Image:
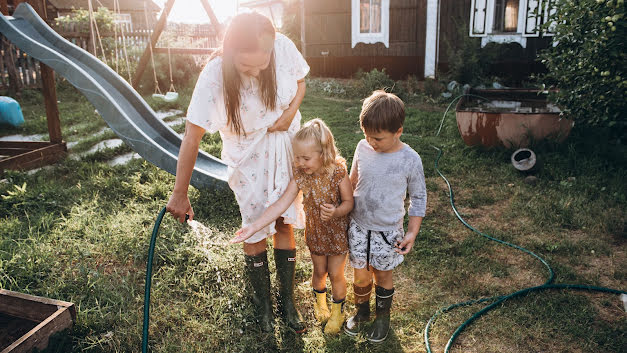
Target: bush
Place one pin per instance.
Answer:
(588, 62)
(184, 69)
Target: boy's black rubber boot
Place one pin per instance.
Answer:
(353, 324)
(259, 277)
(285, 267)
(381, 326)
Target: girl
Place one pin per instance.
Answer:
(320, 173)
(250, 92)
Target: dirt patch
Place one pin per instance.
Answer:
(12, 328)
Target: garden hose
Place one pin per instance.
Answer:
(496, 300)
(151, 251)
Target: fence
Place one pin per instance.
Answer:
(28, 74)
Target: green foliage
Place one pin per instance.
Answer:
(78, 20)
(366, 82)
(464, 57)
(183, 68)
(589, 62)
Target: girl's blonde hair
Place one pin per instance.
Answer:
(318, 133)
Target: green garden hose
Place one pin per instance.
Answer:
(496, 300)
(151, 252)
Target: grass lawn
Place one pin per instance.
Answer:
(79, 232)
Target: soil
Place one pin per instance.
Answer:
(12, 328)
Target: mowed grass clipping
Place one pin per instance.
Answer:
(80, 231)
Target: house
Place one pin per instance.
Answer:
(131, 12)
(412, 37)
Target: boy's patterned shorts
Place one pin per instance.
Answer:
(380, 254)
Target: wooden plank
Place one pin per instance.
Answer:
(36, 158)
(212, 17)
(33, 145)
(185, 51)
(11, 300)
(50, 101)
(39, 336)
(13, 151)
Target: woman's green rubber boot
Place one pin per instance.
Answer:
(285, 267)
(259, 277)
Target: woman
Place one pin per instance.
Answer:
(250, 92)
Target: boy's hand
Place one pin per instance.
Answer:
(405, 245)
(242, 234)
(326, 211)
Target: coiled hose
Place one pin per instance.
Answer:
(496, 300)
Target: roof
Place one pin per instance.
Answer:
(125, 5)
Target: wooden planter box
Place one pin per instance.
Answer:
(510, 118)
(27, 321)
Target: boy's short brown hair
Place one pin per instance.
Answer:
(382, 111)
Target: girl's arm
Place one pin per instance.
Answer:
(328, 211)
(270, 214)
(285, 120)
(179, 204)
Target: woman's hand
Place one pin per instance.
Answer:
(327, 211)
(242, 234)
(179, 206)
(284, 121)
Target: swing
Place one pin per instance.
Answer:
(171, 95)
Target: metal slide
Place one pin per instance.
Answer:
(124, 110)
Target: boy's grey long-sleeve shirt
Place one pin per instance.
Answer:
(383, 182)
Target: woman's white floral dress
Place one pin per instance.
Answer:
(260, 163)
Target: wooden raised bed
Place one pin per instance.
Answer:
(28, 321)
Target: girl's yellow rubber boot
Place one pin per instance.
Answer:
(337, 318)
(321, 310)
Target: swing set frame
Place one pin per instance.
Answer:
(151, 48)
(26, 154)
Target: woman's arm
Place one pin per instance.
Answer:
(328, 211)
(285, 120)
(179, 204)
(270, 214)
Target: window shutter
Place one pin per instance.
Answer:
(478, 18)
(549, 10)
(532, 17)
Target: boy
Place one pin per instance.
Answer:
(384, 171)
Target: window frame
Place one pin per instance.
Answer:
(370, 38)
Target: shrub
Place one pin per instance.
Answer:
(588, 62)
(366, 82)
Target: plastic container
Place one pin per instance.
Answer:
(10, 112)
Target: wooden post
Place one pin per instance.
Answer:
(49, 89)
(50, 101)
(213, 18)
(143, 61)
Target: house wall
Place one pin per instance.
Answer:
(328, 29)
(515, 62)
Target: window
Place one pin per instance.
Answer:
(505, 21)
(370, 21)
(124, 20)
(370, 16)
(506, 16)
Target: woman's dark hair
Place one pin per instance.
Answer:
(243, 35)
